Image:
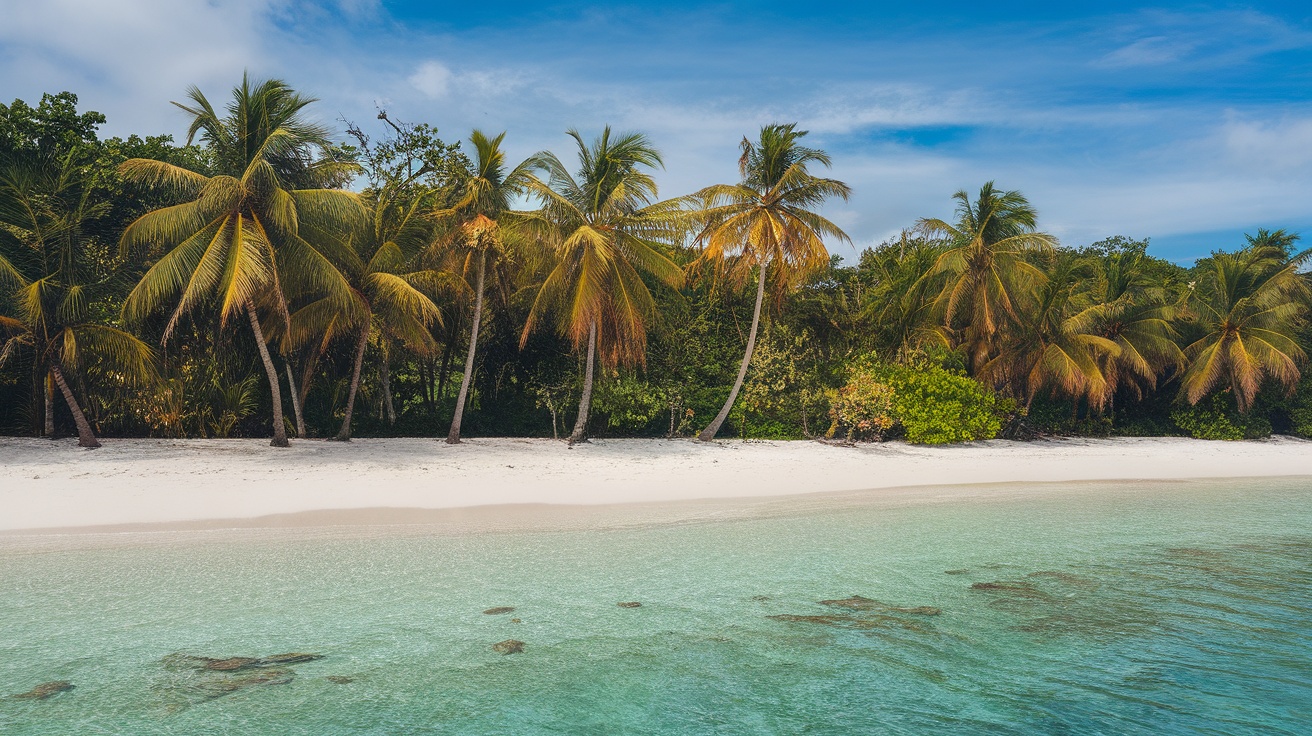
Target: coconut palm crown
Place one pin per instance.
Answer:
(1250, 304)
(985, 270)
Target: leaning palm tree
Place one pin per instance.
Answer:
(986, 270)
(606, 230)
(1250, 303)
(482, 227)
(240, 238)
(766, 224)
(45, 204)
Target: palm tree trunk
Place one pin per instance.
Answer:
(709, 433)
(279, 427)
(85, 437)
(344, 434)
(453, 437)
(48, 390)
(580, 433)
(386, 370)
(296, 400)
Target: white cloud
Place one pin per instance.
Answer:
(1280, 146)
(1150, 51)
(431, 78)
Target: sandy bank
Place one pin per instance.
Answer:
(47, 484)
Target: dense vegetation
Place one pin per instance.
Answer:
(240, 285)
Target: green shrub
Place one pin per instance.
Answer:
(1216, 418)
(1300, 408)
(932, 405)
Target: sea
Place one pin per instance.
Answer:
(1107, 608)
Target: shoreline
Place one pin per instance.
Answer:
(140, 485)
(194, 484)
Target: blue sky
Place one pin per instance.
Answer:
(1188, 123)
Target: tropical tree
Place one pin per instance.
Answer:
(606, 230)
(239, 240)
(1250, 304)
(52, 282)
(390, 290)
(767, 224)
(1135, 313)
(900, 301)
(1053, 343)
(480, 237)
(986, 269)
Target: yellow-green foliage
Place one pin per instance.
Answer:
(862, 409)
(931, 405)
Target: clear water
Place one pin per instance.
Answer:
(1156, 609)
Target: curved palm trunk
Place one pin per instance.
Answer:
(85, 437)
(453, 437)
(296, 400)
(709, 433)
(279, 427)
(344, 434)
(580, 433)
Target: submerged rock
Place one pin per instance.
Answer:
(339, 680)
(509, 646)
(230, 664)
(961, 571)
(235, 664)
(515, 621)
(759, 598)
(861, 603)
(1022, 590)
(289, 658)
(824, 620)
(499, 610)
(46, 690)
(229, 685)
(867, 623)
(629, 604)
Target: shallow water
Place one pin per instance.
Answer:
(1149, 609)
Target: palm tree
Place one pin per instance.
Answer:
(1250, 303)
(241, 238)
(986, 269)
(389, 293)
(899, 304)
(1136, 316)
(45, 205)
(606, 230)
(1052, 343)
(766, 222)
(483, 225)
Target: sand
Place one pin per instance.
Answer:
(245, 483)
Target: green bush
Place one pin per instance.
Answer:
(932, 405)
(1216, 418)
(1300, 408)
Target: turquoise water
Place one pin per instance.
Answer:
(1150, 609)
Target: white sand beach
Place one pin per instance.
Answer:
(56, 485)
